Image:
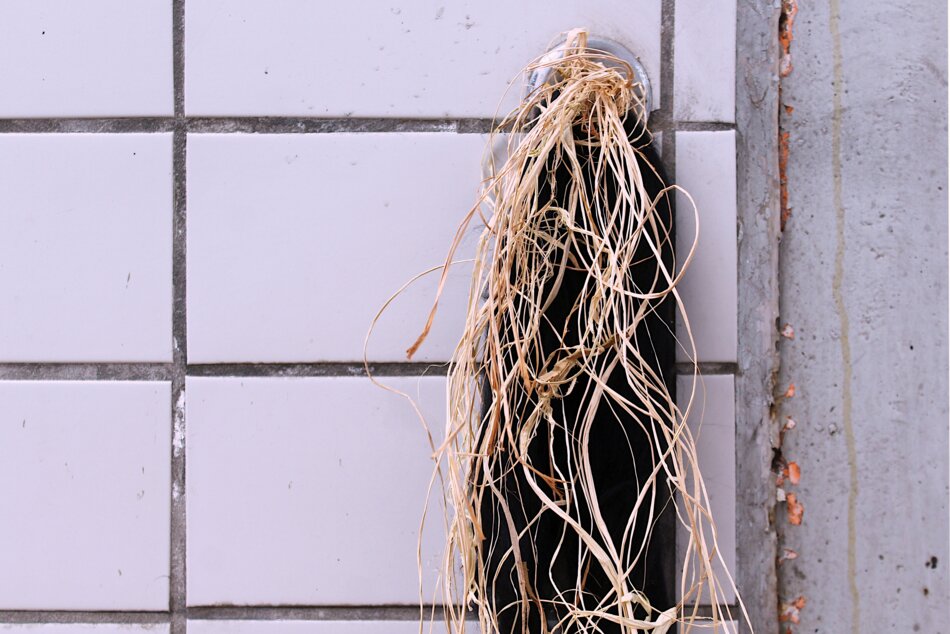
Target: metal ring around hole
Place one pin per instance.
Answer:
(499, 150)
(541, 76)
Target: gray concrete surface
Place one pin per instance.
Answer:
(863, 275)
(757, 179)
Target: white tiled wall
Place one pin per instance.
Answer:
(705, 77)
(299, 490)
(86, 247)
(712, 423)
(295, 241)
(99, 58)
(418, 59)
(226, 266)
(706, 168)
(84, 475)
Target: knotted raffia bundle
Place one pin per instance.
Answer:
(563, 443)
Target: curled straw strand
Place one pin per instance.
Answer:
(500, 361)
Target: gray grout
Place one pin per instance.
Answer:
(328, 369)
(341, 613)
(245, 613)
(660, 121)
(86, 371)
(316, 613)
(707, 368)
(304, 125)
(173, 371)
(703, 126)
(89, 126)
(81, 616)
(667, 54)
(666, 522)
(177, 580)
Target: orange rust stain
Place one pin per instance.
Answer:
(785, 36)
(783, 177)
(794, 509)
(794, 473)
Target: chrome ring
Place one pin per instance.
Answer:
(540, 76)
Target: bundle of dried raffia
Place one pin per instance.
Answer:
(564, 448)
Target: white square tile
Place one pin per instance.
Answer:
(85, 628)
(86, 238)
(712, 422)
(404, 59)
(705, 51)
(85, 486)
(96, 58)
(308, 491)
(296, 241)
(706, 168)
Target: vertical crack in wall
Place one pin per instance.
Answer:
(785, 24)
(836, 116)
(787, 472)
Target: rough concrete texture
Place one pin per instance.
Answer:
(863, 271)
(758, 227)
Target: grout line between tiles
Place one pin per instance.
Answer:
(660, 121)
(177, 586)
(243, 613)
(81, 616)
(666, 523)
(707, 368)
(176, 372)
(86, 371)
(314, 613)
